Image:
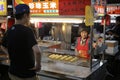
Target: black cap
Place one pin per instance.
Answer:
(21, 8)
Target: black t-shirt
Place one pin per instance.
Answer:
(19, 41)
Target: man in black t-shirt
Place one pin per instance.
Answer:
(20, 43)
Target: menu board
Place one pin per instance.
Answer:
(73, 7)
(3, 7)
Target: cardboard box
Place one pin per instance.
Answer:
(111, 50)
(111, 43)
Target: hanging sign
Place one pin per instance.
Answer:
(89, 18)
(107, 20)
(3, 7)
(111, 9)
(41, 7)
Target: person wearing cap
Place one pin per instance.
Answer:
(20, 44)
(82, 46)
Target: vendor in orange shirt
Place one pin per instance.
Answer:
(82, 46)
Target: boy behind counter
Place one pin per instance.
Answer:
(82, 46)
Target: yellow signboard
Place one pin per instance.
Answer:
(89, 18)
(3, 7)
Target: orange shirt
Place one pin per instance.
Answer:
(83, 49)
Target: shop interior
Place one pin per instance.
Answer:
(59, 37)
(61, 30)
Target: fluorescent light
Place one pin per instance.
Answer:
(8, 16)
(10, 6)
(57, 20)
(99, 21)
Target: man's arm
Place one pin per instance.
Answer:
(37, 54)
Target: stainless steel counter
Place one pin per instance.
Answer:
(75, 72)
(66, 69)
(58, 70)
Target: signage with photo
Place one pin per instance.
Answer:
(3, 7)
